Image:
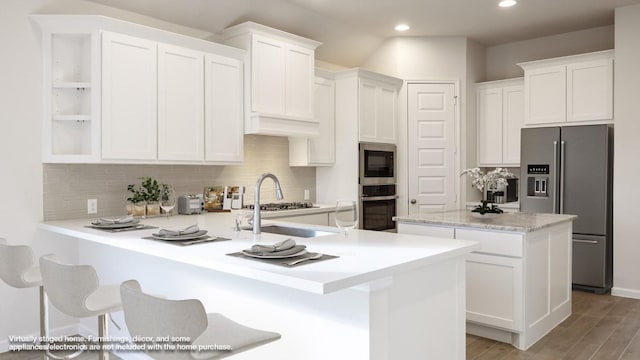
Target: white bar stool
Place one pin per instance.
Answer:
(75, 290)
(148, 316)
(18, 268)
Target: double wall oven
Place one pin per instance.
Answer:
(377, 186)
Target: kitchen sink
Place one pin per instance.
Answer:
(293, 231)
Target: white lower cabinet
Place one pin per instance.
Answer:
(518, 285)
(494, 290)
(310, 219)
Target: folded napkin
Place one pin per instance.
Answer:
(122, 220)
(282, 248)
(186, 231)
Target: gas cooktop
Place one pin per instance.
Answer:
(283, 206)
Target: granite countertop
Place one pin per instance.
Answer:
(517, 221)
(509, 205)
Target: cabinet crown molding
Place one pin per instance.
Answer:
(359, 72)
(255, 28)
(504, 82)
(564, 60)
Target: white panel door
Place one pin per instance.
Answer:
(129, 98)
(180, 103)
(590, 90)
(489, 107)
(431, 151)
(224, 115)
(267, 75)
(545, 95)
(512, 123)
(299, 78)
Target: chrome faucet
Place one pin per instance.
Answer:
(256, 204)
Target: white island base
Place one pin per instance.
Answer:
(519, 281)
(387, 296)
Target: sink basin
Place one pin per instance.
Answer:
(294, 231)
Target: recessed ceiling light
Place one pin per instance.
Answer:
(507, 3)
(402, 27)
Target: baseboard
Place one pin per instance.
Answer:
(628, 293)
(55, 332)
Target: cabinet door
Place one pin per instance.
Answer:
(490, 126)
(494, 291)
(267, 75)
(224, 115)
(386, 118)
(512, 122)
(545, 95)
(129, 97)
(322, 149)
(590, 90)
(180, 103)
(299, 76)
(367, 92)
(377, 107)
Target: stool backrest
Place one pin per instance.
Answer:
(15, 260)
(68, 286)
(150, 316)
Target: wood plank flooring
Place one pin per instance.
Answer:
(601, 327)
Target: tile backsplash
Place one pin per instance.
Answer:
(67, 187)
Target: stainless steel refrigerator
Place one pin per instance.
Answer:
(568, 170)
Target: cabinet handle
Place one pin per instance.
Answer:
(555, 176)
(562, 180)
(413, 201)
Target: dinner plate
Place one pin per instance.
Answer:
(301, 252)
(116, 225)
(180, 237)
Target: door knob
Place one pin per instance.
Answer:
(413, 201)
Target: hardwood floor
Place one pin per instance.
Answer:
(601, 327)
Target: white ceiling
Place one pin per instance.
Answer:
(351, 30)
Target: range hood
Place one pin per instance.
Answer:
(280, 125)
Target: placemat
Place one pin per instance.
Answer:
(283, 262)
(143, 227)
(188, 242)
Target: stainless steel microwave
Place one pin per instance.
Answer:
(377, 164)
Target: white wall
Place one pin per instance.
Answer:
(502, 59)
(20, 145)
(432, 58)
(626, 247)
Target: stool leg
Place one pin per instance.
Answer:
(103, 330)
(43, 317)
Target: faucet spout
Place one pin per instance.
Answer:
(256, 204)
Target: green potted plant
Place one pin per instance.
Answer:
(136, 203)
(492, 179)
(151, 191)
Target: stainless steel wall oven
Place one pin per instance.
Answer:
(377, 186)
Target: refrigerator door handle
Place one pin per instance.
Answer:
(555, 177)
(585, 241)
(562, 177)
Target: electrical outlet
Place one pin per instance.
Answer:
(306, 194)
(92, 206)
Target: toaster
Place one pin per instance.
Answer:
(190, 204)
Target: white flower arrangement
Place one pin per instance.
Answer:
(491, 180)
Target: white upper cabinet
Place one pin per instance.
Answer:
(378, 108)
(129, 97)
(319, 150)
(224, 109)
(281, 80)
(180, 103)
(569, 89)
(118, 92)
(500, 114)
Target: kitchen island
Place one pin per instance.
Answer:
(386, 296)
(519, 281)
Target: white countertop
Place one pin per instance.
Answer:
(364, 256)
(517, 221)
